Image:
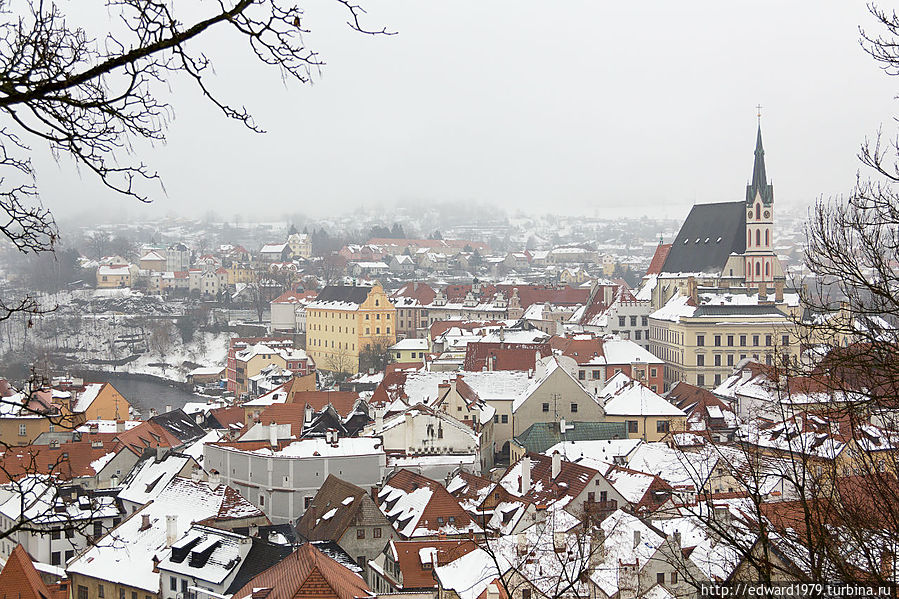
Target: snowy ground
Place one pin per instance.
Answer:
(88, 327)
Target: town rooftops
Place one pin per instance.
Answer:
(625, 397)
(306, 573)
(337, 505)
(20, 580)
(341, 297)
(420, 507)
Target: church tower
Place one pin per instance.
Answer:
(760, 259)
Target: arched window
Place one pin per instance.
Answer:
(758, 237)
(767, 238)
(758, 211)
(758, 268)
(766, 268)
(749, 238)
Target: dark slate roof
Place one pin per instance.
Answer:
(736, 310)
(262, 556)
(181, 425)
(711, 233)
(263, 532)
(540, 436)
(343, 293)
(331, 496)
(759, 183)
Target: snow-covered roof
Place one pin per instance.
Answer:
(87, 397)
(125, 554)
(410, 344)
(635, 399)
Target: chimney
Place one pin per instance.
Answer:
(636, 539)
(307, 414)
(557, 464)
(525, 475)
(691, 289)
(273, 434)
(168, 408)
(214, 478)
(778, 291)
(145, 521)
(119, 426)
(522, 544)
(763, 292)
(171, 530)
(254, 530)
(676, 536)
(558, 541)
(160, 453)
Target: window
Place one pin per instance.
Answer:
(70, 533)
(730, 341)
(785, 340)
(377, 330)
(100, 592)
(621, 321)
(717, 340)
(591, 496)
(730, 359)
(700, 340)
(717, 359)
(376, 533)
(496, 419)
(742, 340)
(505, 419)
(573, 407)
(98, 529)
(597, 374)
(660, 578)
(82, 592)
(262, 500)
(55, 558)
(717, 379)
(70, 554)
(637, 335)
(121, 593)
(653, 372)
(440, 520)
(22, 430)
(307, 501)
(700, 380)
(173, 583)
(545, 407)
(54, 534)
(755, 340)
(768, 340)
(633, 321)
(700, 359)
(632, 426)
(360, 533)
(525, 593)
(133, 594)
(662, 426)
(581, 375)
(603, 495)
(645, 321)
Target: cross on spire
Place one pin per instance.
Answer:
(758, 108)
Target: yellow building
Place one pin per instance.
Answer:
(408, 351)
(343, 320)
(240, 273)
(702, 336)
(99, 401)
(646, 414)
(110, 276)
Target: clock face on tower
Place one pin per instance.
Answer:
(767, 214)
(749, 214)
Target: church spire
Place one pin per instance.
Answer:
(759, 184)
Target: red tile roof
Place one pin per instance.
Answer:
(420, 291)
(71, 460)
(20, 580)
(658, 259)
(307, 573)
(439, 327)
(343, 401)
(415, 574)
(504, 356)
(440, 505)
(147, 434)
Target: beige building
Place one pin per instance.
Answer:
(343, 320)
(110, 276)
(299, 245)
(701, 336)
(646, 414)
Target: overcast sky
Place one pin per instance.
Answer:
(578, 107)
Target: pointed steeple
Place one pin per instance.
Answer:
(759, 182)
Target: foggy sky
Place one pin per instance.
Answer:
(576, 107)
